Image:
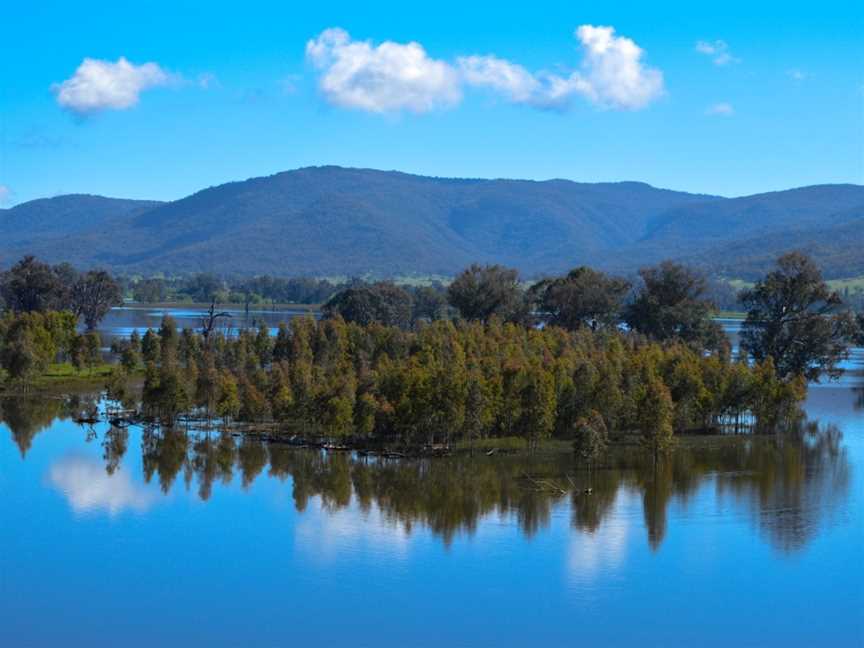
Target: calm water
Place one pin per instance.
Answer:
(113, 537)
(120, 322)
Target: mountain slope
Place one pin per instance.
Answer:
(332, 220)
(63, 215)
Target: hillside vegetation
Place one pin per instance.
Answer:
(326, 221)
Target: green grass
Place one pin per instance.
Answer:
(65, 376)
(514, 444)
(732, 314)
(854, 284)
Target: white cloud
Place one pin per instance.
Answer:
(393, 76)
(88, 487)
(381, 78)
(5, 193)
(612, 75)
(510, 79)
(796, 74)
(718, 51)
(722, 109)
(103, 85)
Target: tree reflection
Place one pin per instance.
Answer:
(114, 446)
(787, 484)
(26, 417)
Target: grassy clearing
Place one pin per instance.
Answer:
(64, 376)
(514, 444)
(853, 284)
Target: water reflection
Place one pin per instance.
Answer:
(88, 487)
(786, 484)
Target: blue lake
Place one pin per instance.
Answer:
(142, 538)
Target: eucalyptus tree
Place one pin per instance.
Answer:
(383, 302)
(481, 292)
(672, 305)
(92, 295)
(797, 321)
(582, 298)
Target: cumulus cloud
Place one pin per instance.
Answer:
(5, 193)
(381, 78)
(718, 51)
(104, 85)
(614, 74)
(611, 75)
(722, 109)
(393, 76)
(510, 79)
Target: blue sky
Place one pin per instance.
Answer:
(730, 98)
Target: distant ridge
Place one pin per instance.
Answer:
(343, 221)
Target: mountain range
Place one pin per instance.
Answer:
(326, 221)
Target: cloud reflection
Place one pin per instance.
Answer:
(604, 549)
(88, 487)
(327, 533)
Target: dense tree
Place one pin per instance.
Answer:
(671, 305)
(30, 341)
(31, 285)
(584, 297)
(654, 415)
(591, 437)
(430, 303)
(93, 294)
(481, 292)
(795, 320)
(85, 350)
(384, 303)
(149, 291)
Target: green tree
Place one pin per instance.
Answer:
(31, 285)
(796, 320)
(672, 305)
(92, 295)
(591, 437)
(228, 404)
(537, 407)
(481, 292)
(584, 297)
(384, 302)
(655, 414)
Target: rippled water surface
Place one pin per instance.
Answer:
(130, 537)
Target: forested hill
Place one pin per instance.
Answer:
(338, 221)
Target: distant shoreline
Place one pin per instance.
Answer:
(258, 307)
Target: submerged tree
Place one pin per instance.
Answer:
(591, 437)
(795, 319)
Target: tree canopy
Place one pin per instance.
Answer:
(481, 292)
(794, 319)
(583, 297)
(672, 305)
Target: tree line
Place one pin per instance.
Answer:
(206, 287)
(580, 356)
